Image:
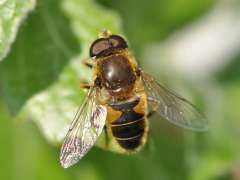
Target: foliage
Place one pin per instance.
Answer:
(39, 82)
(12, 13)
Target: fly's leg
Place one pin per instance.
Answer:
(85, 86)
(87, 63)
(150, 114)
(106, 136)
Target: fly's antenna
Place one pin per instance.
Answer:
(104, 34)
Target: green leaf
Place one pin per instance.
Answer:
(12, 13)
(54, 108)
(44, 45)
(153, 21)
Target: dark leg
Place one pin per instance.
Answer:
(150, 114)
(87, 63)
(106, 136)
(85, 86)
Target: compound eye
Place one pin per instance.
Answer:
(98, 46)
(112, 42)
(117, 42)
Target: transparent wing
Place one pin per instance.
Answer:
(87, 125)
(172, 107)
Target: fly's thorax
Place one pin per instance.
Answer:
(117, 74)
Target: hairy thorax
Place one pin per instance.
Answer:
(117, 75)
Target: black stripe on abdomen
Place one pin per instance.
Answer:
(128, 129)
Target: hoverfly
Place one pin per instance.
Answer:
(119, 102)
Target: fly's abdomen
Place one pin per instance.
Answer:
(129, 130)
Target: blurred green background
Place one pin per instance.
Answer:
(192, 46)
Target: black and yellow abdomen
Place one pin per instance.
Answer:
(129, 129)
(129, 126)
